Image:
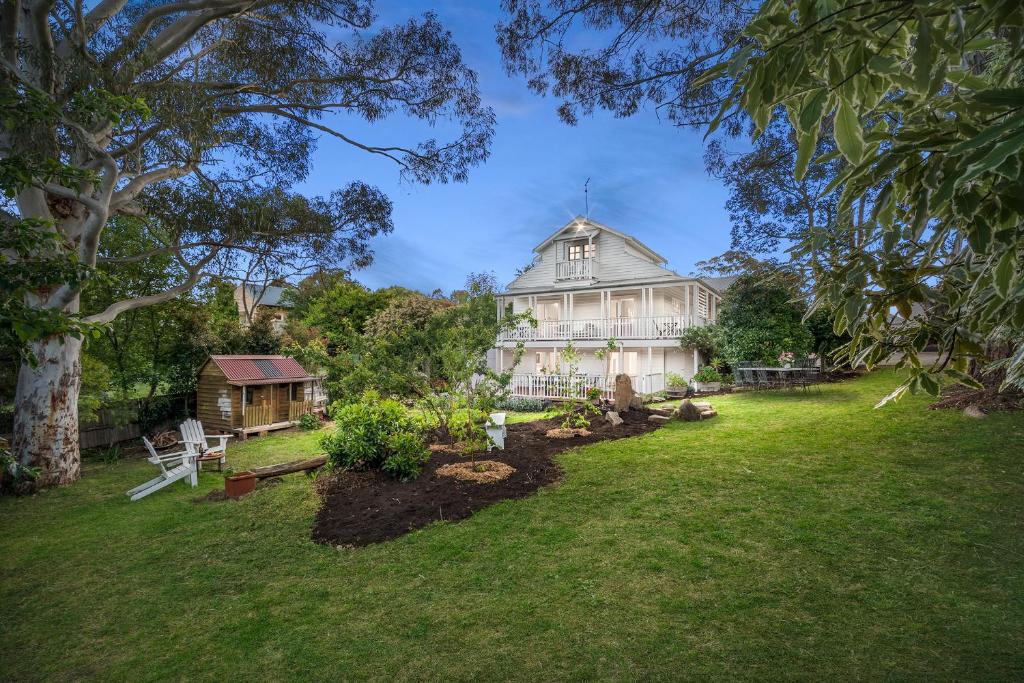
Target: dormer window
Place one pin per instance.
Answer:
(580, 250)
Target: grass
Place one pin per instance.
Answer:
(793, 537)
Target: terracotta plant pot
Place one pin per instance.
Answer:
(238, 485)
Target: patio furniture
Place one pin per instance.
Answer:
(173, 467)
(496, 431)
(192, 432)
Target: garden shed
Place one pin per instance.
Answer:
(253, 393)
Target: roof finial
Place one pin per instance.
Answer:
(586, 200)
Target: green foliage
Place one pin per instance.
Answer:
(97, 381)
(521, 404)
(310, 421)
(31, 258)
(707, 374)
(575, 412)
(760, 319)
(375, 433)
(15, 477)
(925, 104)
(675, 381)
(406, 456)
(707, 339)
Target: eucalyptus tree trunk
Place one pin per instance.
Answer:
(46, 419)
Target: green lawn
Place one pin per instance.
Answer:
(795, 537)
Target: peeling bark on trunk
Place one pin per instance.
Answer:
(46, 411)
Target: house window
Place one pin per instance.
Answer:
(580, 250)
(247, 395)
(294, 395)
(628, 364)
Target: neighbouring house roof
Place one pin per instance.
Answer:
(720, 284)
(246, 370)
(266, 295)
(585, 225)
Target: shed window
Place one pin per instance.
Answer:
(247, 395)
(294, 394)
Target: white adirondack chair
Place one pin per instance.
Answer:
(173, 466)
(496, 430)
(192, 432)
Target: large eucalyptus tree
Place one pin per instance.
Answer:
(197, 115)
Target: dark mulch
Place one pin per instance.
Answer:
(360, 508)
(988, 399)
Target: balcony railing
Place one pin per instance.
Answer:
(576, 386)
(578, 269)
(655, 327)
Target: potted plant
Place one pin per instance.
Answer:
(238, 484)
(707, 379)
(676, 385)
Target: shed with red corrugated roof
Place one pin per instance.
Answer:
(255, 393)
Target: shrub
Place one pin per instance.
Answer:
(675, 381)
(406, 456)
(375, 433)
(707, 374)
(310, 421)
(522, 404)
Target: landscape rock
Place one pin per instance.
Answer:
(687, 411)
(661, 411)
(707, 414)
(613, 417)
(658, 419)
(623, 393)
(974, 411)
(636, 402)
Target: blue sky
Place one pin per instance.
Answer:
(646, 177)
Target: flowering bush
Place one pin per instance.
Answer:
(786, 357)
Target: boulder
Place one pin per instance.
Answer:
(637, 402)
(974, 411)
(707, 414)
(661, 411)
(613, 417)
(687, 411)
(658, 419)
(623, 393)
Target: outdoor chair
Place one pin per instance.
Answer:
(192, 432)
(764, 381)
(173, 467)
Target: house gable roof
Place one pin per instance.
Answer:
(584, 227)
(250, 369)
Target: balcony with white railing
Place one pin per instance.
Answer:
(577, 269)
(596, 329)
(556, 387)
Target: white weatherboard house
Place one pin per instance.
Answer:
(590, 283)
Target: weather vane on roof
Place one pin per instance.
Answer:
(586, 200)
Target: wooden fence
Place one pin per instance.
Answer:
(122, 421)
(257, 416)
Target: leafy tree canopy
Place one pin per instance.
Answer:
(761, 319)
(924, 104)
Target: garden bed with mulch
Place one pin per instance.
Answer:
(360, 508)
(987, 399)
